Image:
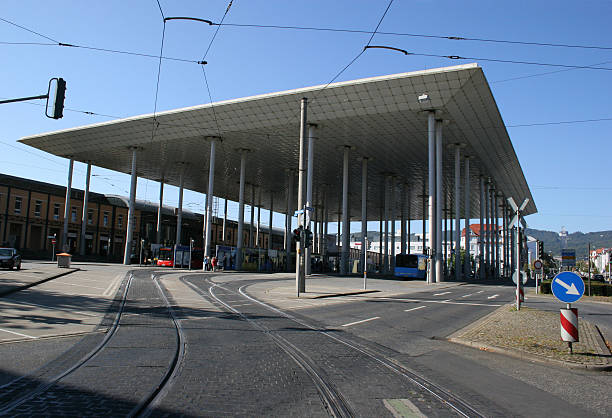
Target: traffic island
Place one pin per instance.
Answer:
(534, 335)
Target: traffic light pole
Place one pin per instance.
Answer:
(58, 99)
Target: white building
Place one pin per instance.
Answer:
(601, 260)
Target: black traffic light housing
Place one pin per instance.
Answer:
(540, 250)
(307, 238)
(296, 236)
(57, 101)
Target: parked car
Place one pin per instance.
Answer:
(598, 277)
(10, 258)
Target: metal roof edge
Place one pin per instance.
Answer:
(260, 96)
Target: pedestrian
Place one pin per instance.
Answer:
(213, 262)
(206, 263)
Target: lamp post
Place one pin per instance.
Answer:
(141, 248)
(190, 251)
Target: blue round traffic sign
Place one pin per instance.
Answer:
(568, 287)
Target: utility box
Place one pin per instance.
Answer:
(63, 260)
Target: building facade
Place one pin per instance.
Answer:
(32, 219)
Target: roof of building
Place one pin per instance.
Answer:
(379, 118)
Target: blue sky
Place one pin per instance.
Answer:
(567, 165)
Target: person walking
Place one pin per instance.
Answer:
(213, 262)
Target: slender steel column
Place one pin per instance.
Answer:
(424, 220)
(344, 259)
(257, 243)
(288, 219)
(431, 137)
(381, 234)
(408, 205)
(224, 236)
(131, 212)
(386, 264)
(179, 218)
(402, 218)
(497, 252)
(252, 220)
(392, 212)
(211, 183)
(468, 262)
(492, 230)
(438, 202)
(66, 206)
(240, 238)
(364, 210)
(84, 218)
(458, 266)
(300, 278)
(159, 210)
(487, 234)
(270, 221)
(309, 179)
(481, 238)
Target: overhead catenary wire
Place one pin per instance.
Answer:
(459, 57)
(417, 35)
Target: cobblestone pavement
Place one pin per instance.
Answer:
(235, 368)
(535, 334)
(116, 379)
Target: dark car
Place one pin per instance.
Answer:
(10, 258)
(598, 277)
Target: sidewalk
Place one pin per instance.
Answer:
(322, 289)
(31, 274)
(534, 335)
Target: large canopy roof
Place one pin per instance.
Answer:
(379, 118)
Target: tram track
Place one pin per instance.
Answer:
(334, 401)
(14, 390)
(334, 398)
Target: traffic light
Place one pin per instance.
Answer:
(307, 238)
(57, 103)
(540, 250)
(297, 234)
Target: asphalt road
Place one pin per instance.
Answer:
(205, 345)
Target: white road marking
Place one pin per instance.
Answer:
(465, 296)
(468, 303)
(480, 291)
(414, 309)
(80, 285)
(440, 294)
(360, 322)
(492, 297)
(113, 285)
(17, 333)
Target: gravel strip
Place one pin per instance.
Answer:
(535, 334)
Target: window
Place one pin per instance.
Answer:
(120, 221)
(37, 208)
(17, 205)
(90, 216)
(73, 214)
(105, 219)
(56, 211)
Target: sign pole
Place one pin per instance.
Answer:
(365, 264)
(518, 268)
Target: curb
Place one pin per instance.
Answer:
(455, 338)
(27, 286)
(527, 356)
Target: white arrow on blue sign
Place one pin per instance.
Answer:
(568, 287)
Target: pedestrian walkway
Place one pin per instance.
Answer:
(44, 301)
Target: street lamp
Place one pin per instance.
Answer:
(141, 248)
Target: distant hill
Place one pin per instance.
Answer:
(577, 240)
